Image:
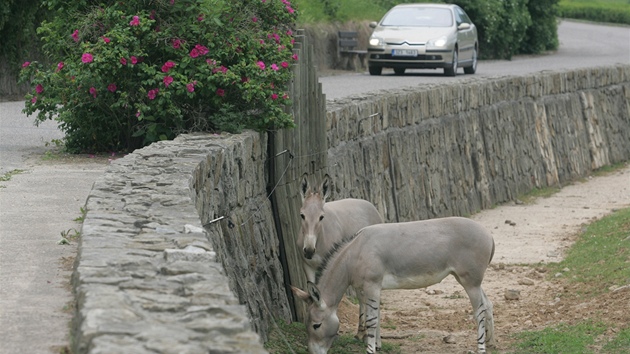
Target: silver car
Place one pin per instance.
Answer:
(423, 36)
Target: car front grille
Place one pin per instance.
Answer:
(418, 57)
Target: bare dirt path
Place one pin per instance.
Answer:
(526, 236)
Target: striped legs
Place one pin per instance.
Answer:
(361, 330)
(484, 318)
(372, 323)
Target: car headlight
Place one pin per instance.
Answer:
(375, 41)
(437, 43)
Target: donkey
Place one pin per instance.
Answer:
(324, 224)
(409, 255)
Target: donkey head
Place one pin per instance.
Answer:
(312, 214)
(322, 323)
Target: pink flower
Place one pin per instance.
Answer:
(167, 80)
(194, 53)
(59, 66)
(138, 114)
(254, 19)
(172, 2)
(177, 43)
(123, 61)
(152, 94)
(26, 64)
(152, 15)
(274, 67)
(191, 86)
(135, 21)
(106, 40)
(261, 65)
(39, 88)
(34, 100)
(211, 62)
(274, 96)
(202, 50)
(294, 56)
(200, 18)
(75, 35)
(289, 33)
(111, 87)
(93, 91)
(134, 60)
(284, 64)
(87, 58)
(167, 66)
(220, 92)
(290, 9)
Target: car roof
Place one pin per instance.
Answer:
(423, 4)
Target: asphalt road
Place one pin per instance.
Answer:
(581, 45)
(43, 199)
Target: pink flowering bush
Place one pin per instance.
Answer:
(131, 73)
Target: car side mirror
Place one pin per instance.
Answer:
(372, 24)
(463, 26)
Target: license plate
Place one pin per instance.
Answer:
(404, 52)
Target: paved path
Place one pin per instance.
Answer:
(36, 206)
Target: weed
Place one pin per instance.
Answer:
(7, 176)
(291, 338)
(68, 235)
(81, 218)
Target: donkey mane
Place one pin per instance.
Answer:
(331, 253)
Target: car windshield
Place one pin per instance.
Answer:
(418, 17)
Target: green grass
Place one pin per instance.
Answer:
(612, 11)
(601, 254)
(560, 339)
(597, 262)
(291, 338)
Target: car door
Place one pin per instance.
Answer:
(465, 37)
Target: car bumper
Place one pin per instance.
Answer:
(426, 60)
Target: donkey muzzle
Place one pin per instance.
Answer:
(309, 253)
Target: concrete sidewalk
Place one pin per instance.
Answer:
(38, 203)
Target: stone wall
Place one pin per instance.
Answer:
(178, 250)
(455, 149)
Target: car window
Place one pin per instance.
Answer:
(461, 16)
(418, 17)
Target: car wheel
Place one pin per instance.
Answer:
(375, 70)
(452, 71)
(473, 68)
(399, 71)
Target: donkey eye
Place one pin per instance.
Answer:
(302, 216)
(321, 218)
(317, 325)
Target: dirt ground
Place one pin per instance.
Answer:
(527, 236)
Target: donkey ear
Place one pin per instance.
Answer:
(301, 294)
(313, 292)
(304, 186)
(325, 187)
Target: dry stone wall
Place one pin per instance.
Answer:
(179, 252)
(455, 149)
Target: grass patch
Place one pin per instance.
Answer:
(291, 338)
(596, 264)
(600, 255)
(536, 193)
(620, 344)
(560, 339)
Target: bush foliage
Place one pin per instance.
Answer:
(611, 11)
(130, 73)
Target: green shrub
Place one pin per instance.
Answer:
(611, 11)
(542, 34)
(131, 73)
(501, 25)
